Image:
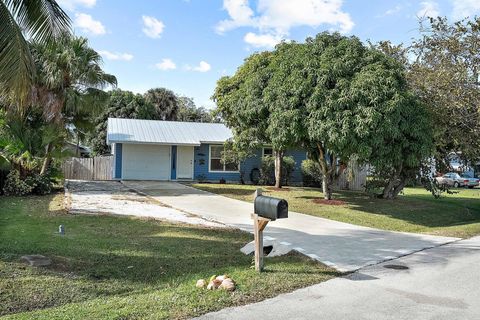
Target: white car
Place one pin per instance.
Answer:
(451, 179)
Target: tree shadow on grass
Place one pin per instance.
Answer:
(421, 210)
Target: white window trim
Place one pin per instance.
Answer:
(267, 147)
(210, 158)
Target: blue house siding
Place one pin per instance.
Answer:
(201, 163)
(200, 170)
(118, 161)
(299, 156)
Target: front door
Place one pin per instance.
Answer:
(184, 162)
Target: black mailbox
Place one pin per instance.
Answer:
(271, 208)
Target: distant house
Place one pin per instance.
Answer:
(170, 150)
(77, 150)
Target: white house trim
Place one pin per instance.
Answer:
(210, 158)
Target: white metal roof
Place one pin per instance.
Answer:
(165, 132)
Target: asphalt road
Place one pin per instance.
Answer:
(440, 283)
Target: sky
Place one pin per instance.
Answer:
(187, 45)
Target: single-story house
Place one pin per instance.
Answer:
(172, 150)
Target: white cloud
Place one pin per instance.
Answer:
(203, 66)
(72, 4)
(240, 15)
(87, 24)
(274, 18)
(428, 9)
(166, 64)
(116, 55)
(465, 8)
(152, 27)
(392, 11)
(262, 40)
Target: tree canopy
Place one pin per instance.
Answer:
(332, 94)
(164, 102)
(252, 102)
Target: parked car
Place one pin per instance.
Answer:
(451, 179)
(470, 182)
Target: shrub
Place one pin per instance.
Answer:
(201, 178)
(255, 176)
(32, 184)
(14, 186)
(267, 171)
(41, 184)
(311, 173)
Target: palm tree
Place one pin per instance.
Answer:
(164, 101)
(40, 20)
(68, 83)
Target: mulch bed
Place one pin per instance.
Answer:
(278, 189)
(329, 202)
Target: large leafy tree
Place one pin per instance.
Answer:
(69, 81)
(40, 20)
(254, 104)
(362, 107)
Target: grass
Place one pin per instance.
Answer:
(456, 215)
(126, 268)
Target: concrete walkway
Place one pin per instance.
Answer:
(340, 245)
(440, 283)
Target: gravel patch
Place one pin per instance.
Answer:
(112, 197)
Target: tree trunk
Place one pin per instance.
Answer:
(278, 168)
(48, 158)
(327, 186)
(398, 188)
(387, 191)
(327, 172)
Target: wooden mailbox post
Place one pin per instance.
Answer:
(271, 207)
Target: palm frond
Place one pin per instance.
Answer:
(41, 20)
(16, 64)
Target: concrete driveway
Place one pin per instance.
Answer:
(440, 283)
(340, 245)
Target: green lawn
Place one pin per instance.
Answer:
(125, 268)
(456, 215)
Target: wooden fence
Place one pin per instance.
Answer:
(357, 183)
(97, 168)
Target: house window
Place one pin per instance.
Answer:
(216, 163)
(267, 151)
